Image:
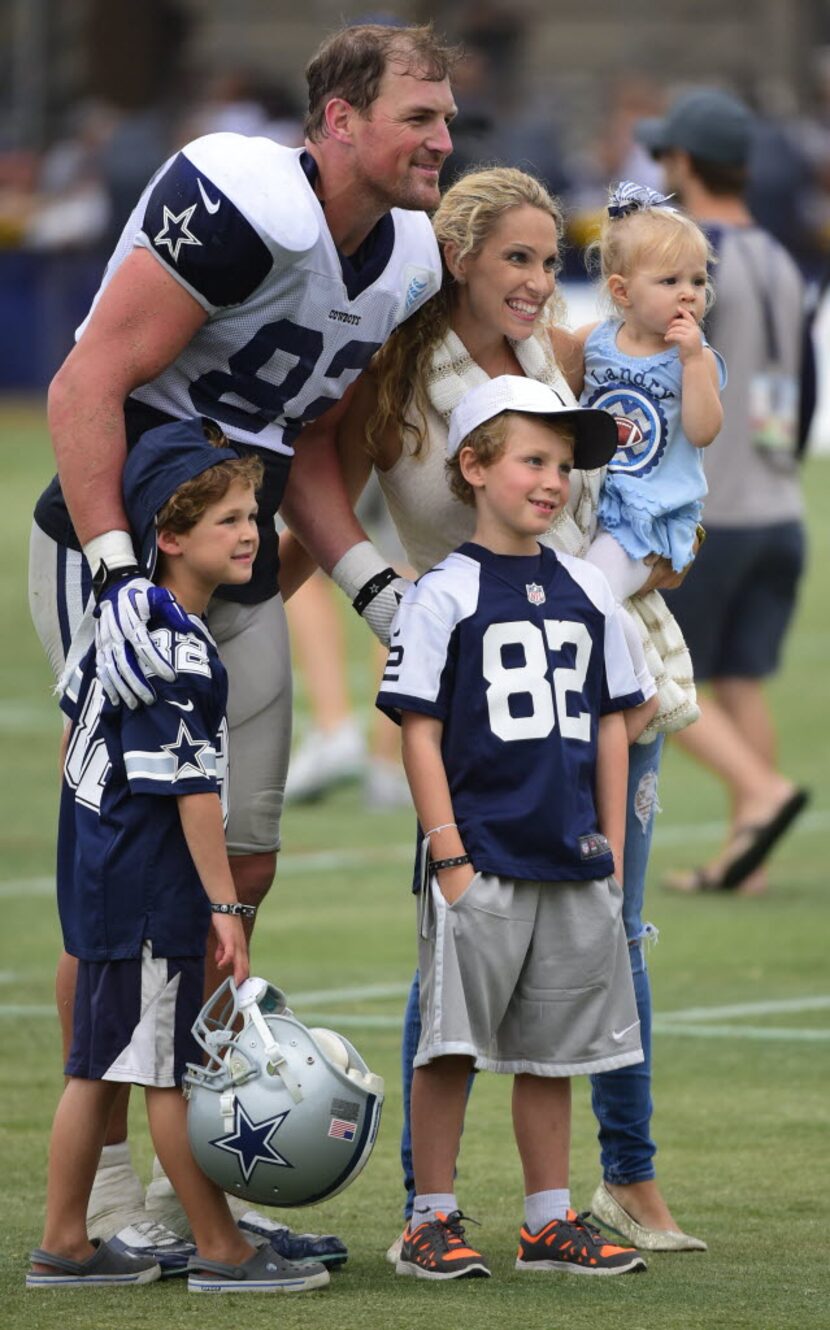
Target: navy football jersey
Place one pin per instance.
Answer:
(124, 870)
(518, 657)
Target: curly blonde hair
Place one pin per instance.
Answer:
(465, 217)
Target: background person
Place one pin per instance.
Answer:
(737, 606)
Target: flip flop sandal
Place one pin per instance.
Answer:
(761, 839)
(105, 1268)
(264, 1272)
(756, 841)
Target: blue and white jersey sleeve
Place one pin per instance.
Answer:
(621, 686)
(420, 668)
(191, 221)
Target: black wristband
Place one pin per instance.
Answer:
(234, 907)
(373, 588)
(437, 864)
(107, 577)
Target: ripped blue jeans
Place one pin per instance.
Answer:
(621, 1099)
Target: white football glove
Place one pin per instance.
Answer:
(374, 588)
(126, 655)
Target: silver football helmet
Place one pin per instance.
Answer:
(279, 1115)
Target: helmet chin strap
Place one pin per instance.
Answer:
(277, 1063)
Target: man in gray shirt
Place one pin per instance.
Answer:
(736, 604)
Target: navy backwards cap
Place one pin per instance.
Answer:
(706, 122)
(595, 431)
(161, 461)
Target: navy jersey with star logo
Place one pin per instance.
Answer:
(518, 657)
(125, 874)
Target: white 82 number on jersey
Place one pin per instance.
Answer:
(549, 696)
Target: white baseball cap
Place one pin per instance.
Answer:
(595, 431)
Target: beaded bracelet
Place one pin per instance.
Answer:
(234, 907)
(437, 864)
(444, 826)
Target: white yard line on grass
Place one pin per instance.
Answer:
(771, 1033)
(694, 1022)
(335, 861)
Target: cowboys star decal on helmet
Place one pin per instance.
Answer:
(279, 1114)
(251, 1142)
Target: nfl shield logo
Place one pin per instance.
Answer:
(535, 593)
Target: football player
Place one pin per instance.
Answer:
(251, 284)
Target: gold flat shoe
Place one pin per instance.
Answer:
(610, 1213)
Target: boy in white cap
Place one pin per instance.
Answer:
(509, 673)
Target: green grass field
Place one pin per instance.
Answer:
(742, 997)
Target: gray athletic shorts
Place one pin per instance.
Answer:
(528, 977)
(253, 646)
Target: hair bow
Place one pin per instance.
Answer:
(629, 197)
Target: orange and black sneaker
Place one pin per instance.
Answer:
(438, 1249)
(576, 1247)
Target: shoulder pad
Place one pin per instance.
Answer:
(265, 182)
(421, 269)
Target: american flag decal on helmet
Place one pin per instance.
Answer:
(342, 1130)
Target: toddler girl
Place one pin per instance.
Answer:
(651, 367)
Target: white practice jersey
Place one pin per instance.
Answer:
(291, 322)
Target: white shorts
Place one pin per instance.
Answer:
(253, 647)
(528, 977)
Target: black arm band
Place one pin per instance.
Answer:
(437, 864)
(234, 907)
(373, 588)
(106, 577)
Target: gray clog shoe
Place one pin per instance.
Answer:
(264, 1272)
(105, 1268)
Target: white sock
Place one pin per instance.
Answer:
(431, 1204)
(114, 1155)
(543, 1206)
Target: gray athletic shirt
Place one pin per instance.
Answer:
(745, 489)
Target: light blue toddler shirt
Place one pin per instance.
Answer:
(652, 495)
